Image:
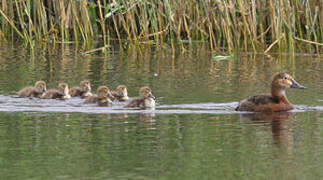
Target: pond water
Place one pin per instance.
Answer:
(194, 133)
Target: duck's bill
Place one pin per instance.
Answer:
(297, 85)
(152, 96)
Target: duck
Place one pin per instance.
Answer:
(102, 98)
(274, 102)
(61, 93)
(145, 100)
(120, 94)
(83, 91)
(33, 91)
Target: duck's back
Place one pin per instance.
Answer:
(136, 102)
(258, 103)
(28, 91)
(75, 91)
(91, 99)
(52, 94)
(263, 99)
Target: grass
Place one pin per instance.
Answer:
(247, 25)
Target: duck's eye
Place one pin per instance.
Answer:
(285, 78)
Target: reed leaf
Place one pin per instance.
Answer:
(256, 25)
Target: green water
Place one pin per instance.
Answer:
(207, 145)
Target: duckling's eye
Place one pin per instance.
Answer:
(285, 78)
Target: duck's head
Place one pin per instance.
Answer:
(40, 86)
(63, 88)
(104, 92)
(284, 80)
(122, 90)
(85, 86)
(145, 92)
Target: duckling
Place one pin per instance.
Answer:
(84, 90)
(277, 101)
(102, 98)
(146, 99)
(121, 93)
(36, 91)
(61, 93)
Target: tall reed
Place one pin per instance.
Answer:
(249, 25)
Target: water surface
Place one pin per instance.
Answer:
(194, 133)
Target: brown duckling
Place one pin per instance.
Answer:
(146, 99)
(36, 91)
(102, 98)
(120, 94)
(61, 93)
(84, 90)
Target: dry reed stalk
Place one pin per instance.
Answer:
(234, 24)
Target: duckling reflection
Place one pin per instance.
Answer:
(83, 91)
(36, 91)
(120, 94)
(120, 116)
(102, 98)
(279, 125)
(61, 93)
(147, 117)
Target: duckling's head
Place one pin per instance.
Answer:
(85, 86)
(284, 80)
(145, 92)
(103, 92)
(122, 90)
(63, 88)
(40, 86)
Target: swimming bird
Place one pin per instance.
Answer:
(36, 91)
(61, 93)
(84, 90)
(145, 100)
(121, 93)
(276, 101)
(102, 98)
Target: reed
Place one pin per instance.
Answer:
(248, 25)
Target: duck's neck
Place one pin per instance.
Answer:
(280, 95)
(64, 92)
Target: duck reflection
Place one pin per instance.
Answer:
(120, 116)
(147, 117)
(279, 125)
(144, 117)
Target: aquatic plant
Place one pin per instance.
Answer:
(249, 25)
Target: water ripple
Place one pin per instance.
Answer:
(14, 104)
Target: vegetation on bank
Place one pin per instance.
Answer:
(250, 25)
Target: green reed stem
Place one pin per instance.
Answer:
(256, 25)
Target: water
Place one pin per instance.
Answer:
(194, 133)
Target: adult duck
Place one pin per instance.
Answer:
(276, 101)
